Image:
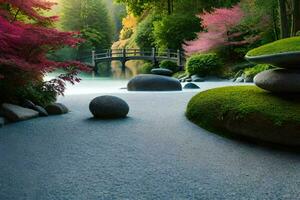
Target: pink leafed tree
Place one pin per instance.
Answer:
(217, 25)
(26, 37)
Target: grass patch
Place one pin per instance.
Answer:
(279, 46)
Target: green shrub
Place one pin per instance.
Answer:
(167, 64)
(39, 93)
(16, 90)
(146, 68)
(251, 72)
(18, 85)
(203, 64)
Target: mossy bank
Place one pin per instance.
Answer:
(248, 111)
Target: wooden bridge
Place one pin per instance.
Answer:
(124, 55)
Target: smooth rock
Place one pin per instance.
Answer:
(279, 80)
(191, 86)
(146, 82)
(28, 104)
(196, 78)
(287, 60)
(56, 109)
(42, 112)
(16, 113)
(161, 71)
(108, 107)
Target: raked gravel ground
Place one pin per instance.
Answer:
(155, 153)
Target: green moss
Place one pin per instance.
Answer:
(209, 107)
(279, 46)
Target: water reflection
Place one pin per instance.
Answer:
(132, 69)
(102, 82)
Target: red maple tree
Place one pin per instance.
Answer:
(26, 36)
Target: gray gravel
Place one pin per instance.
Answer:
(155, 153)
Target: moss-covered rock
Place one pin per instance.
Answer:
(249, 112)
(280, 46)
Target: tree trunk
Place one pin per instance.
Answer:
(169, 7)
(284, 25)
(274, 19)
(295, 17)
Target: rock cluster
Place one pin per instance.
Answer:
(56, 109)
(285, 79)
(240, 77)
(28, 110)
(193, 78)
(16, 113)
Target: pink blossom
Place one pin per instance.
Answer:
(217, 25)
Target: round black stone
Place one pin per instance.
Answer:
(108, 107)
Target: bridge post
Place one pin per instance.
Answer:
(109, 54)
(93, 58)
(94, 64)
(179, 58)
(168, 53)
(124, 52)
(123, 60)
(154, 56)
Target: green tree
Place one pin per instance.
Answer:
(289, 14)
(91, 15)
(144, 36)
(117, 13)
(173, 30)
(137, 7)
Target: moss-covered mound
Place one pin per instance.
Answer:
(248, 111)
(280, 46)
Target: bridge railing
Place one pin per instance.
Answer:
(137, 52)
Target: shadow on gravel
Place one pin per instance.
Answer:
(92, 119)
